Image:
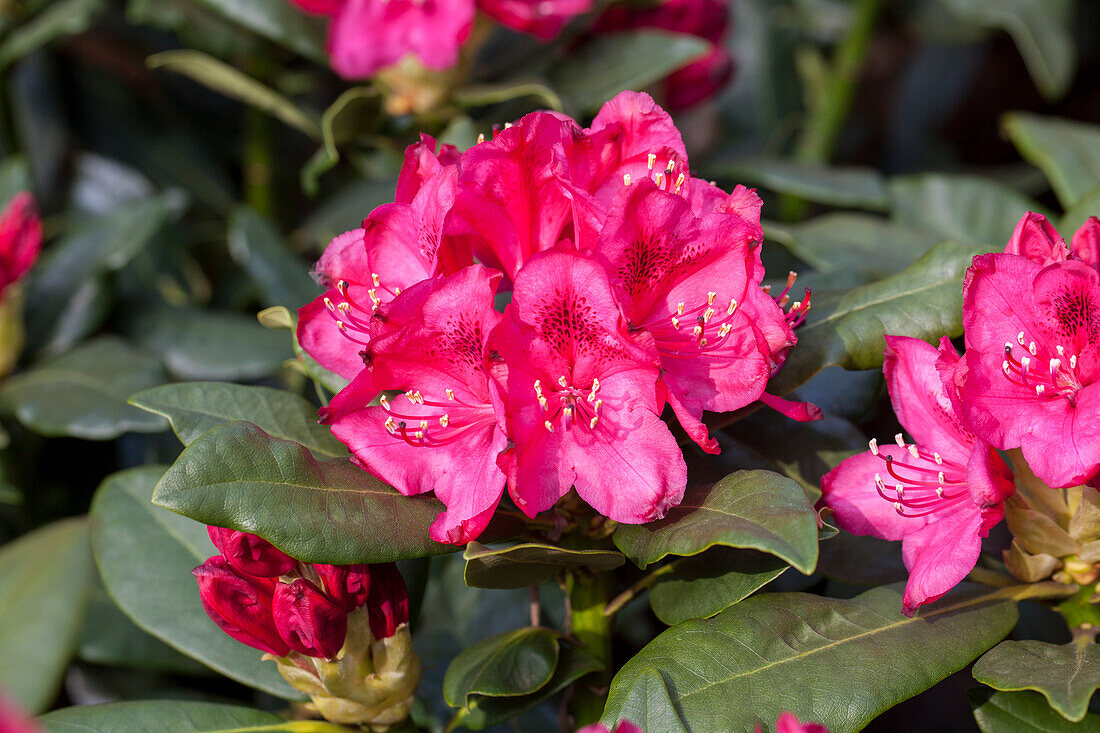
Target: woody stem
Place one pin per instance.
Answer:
(588, 595)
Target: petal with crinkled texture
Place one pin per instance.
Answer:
(940, 555)
(308, 620)
(1086, 242)
(541, 18)
(423, 160)
(1036, 239)
(240, 605)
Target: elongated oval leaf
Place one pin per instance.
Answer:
(864, 188)
(750, 663)
(511, 664)
(609, 63)
(238, 476)
(282, 23)
(1088, 205)
(648, 706)
(701, 586)
(59, 19)
(83, 394)
(757, 510)
(847, 329)
(1023, 712)
(145, 556)
(1066, 674)
(1068, 152)
(529, 563)
(157, 716)
(256, 245)
(195, 407)
(45, 586)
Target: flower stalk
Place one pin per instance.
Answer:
(588, 595)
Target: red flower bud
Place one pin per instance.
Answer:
(20, 238)
(348, 585)
(308, 620)
(388, 605)
(240, 605)
(251, 554)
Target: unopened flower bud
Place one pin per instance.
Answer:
(1027, 567)
(309, 621)
(389, 600)
(251, 554)
(348, 585)
(240, 605)
(20, 238)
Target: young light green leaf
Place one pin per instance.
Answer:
(238, 476)
(145, 556)
(1066, 674)
(511, 664)
(747, 665)
(757, 510)
(530, 563)
(1068, 152)
(45, 585)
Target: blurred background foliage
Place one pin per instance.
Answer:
(193, 157)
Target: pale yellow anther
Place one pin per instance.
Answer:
(538, 387)
(444, 420)
(938, 459)
(450, 393)
(879, 482)
(702, 342)
(676, 323)
(596, 407)
(724, 330)
(481, 137)
(707, 315)
(340, 325)
(697, 331)
(680, 308)
(415, 397)
(568, 412)
(375, 279)
(796, 305)
(548, 425)
(419, 435)
(680, 182)
(659, 179)
(670, 167)
(542, 402)
(507, 125)
(899, 440)
(385, 402)
(592, 423)
(329, 305)
(423, 424)
(562, 382)
(391, 425)
(913, 451)
(344, 307)
(732, 308)
(652, 160)
(626, 179)
(710, 297)
(873, 445)
(397, 291)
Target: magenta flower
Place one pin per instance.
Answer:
(541, 18)
(686, 282)
(789, 723)
(348, 585)
(624, 726)
(240, 605)
(20, 238)
(441, 434)
(250, 554)
(939, 496)
(309, 621)
(388, 607)
(581, 400)
(1029, 377)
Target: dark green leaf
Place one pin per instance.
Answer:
(235, 84)
(747, 665)
(701, 586)
(238, 476)
(483, 712)
(847, 329)
(529, 563)
(145, 556)
(1068, 152)
(511, 664)
(210, 344)
(83, 393)
(60, 18)
(152, 716)
(45, 584)
(609, 63)
(280, 22)
(967, 209)
(195, 407)
(647, 705)
(862, 188)
(1066, 674)
(1022, 712)
(862, 560)
(757, 510)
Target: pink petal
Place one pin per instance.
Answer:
(1086, 242)
(421, 163)
(309, 621)
(1036, 239)
(541, 18)
(849, 490)
(940, 554)
(20, 237)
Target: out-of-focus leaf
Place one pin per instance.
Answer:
(506, 665)
(84, 393)
(1068, 152)
(338, 123)
(706, 584)
(849, 186)
(485, 94)
(145, 556)
(235, 84)
(1089, 205)
(745, 666)
(257, 246)
(757, 510)
(530, 563)
(45, 584)
(967, 209)
(151, 716)
(195, 407)
(238, 476)
(647, 705)
(280, 22)
(1066, 674)
(611, 62)
(342, 212)
(862, 560)
(1040, 30)
(847, 329)
(59, 18)
(15, 176)
(210, 344)
(1022, 712)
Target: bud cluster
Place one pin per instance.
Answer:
(338, 632)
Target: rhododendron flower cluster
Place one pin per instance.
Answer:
(1027, 381)
(630, 285)
(20, 238)
(366, 35)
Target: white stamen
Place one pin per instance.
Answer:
(873, 444)
(913, 451)
(652, 160)
(450, 393)
(626, 179)
(899, 440)
(938, 459)
(548, 426)
(444, 420)
(375, 279)
(562, 382)
(732, 308)
(710, 297)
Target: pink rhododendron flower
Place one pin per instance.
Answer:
(789, 723)
(624, 726)
(442, 433)
(13, 719)
(541, 18)
(348, 585)
(939, 496)
(1029, 377)
(707, 19)
(388, 605)
(309, 621)
(250, 554)
(240, 605)
(20, 238)
(581, 400)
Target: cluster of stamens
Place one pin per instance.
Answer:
(663, 179)
(437, 429)
(926, 484)
(570, 403)
(1057, 377)
(351, 316)
(708, 327)
(796, 314)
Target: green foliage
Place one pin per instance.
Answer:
(511, 664)
(1066, 674)
(530, 563)
(1067, 152)
(861, 188)
(1022, 712)
(703, 585)
(185, 717)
